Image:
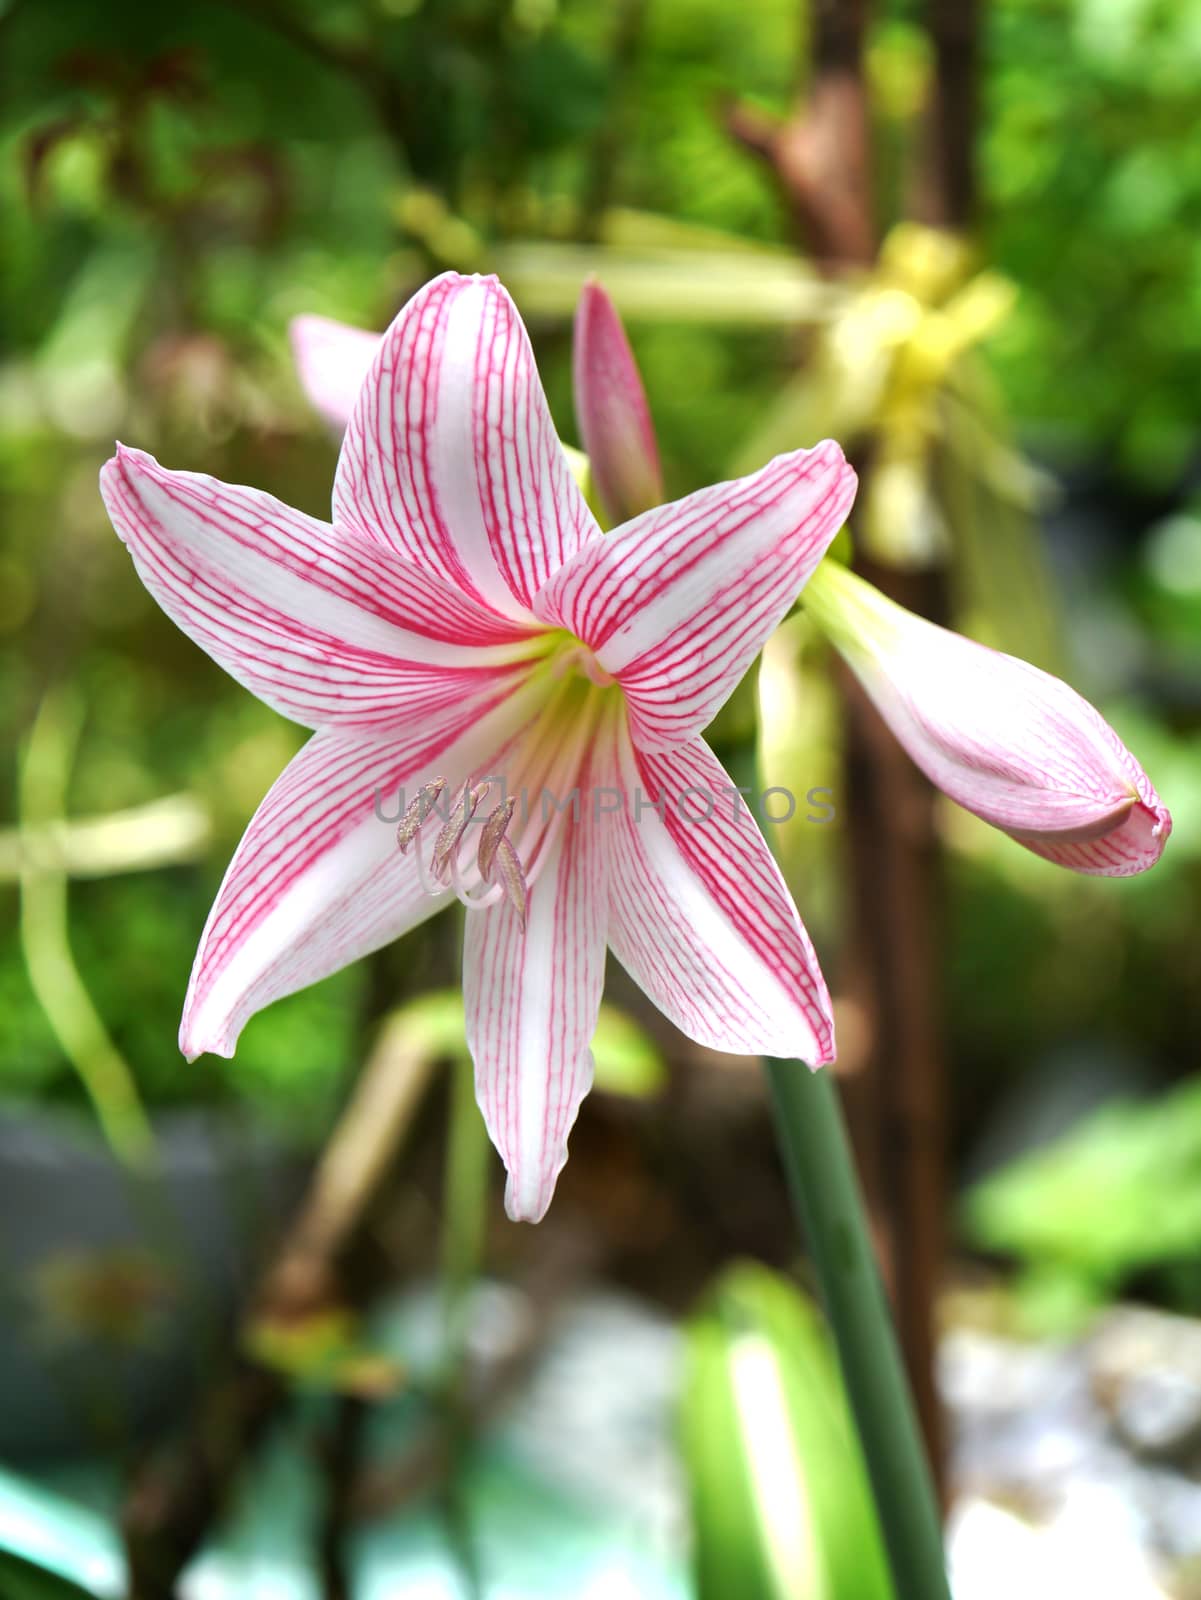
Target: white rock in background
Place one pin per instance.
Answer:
(994, 1555)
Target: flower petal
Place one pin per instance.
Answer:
(318, 879)
(451, 456)
(333, 360)
(611, 409)
(700, 916)
(1009, 742)
(324, 626)
(532, 1000)
(1128, 848)
(677, 603)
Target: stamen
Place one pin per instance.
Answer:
(494, 831)
(451, 834)
(513, 879)
(418, 812)
(502, 869)
(474, 901)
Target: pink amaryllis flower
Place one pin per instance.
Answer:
(1009, 742)
(462, 632)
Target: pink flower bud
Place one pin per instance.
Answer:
(332, 360)
(1009, 742)
(611, 410)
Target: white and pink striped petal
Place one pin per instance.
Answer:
(451, 456)
(323, 626)
(532, 997)
(676, 604)
(332, 360)
(700, 916)
(1009, 742)
(318, 880)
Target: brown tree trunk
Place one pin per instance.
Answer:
(821, 155)
(947, 185)
(896, 1100)
(894, 1096)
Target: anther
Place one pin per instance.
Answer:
(494, 831)
(496, 857)
(513, 879)
(451, 834)
(417, 812)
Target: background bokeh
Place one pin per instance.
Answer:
(177, 183)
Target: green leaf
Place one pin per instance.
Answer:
(781, 1504)
(49, 1540)
(627, 1061)
(21, 1580)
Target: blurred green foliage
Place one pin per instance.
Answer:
(23, 1581)
(1094, 205)
(1118, 1199)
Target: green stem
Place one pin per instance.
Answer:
(825, 1191)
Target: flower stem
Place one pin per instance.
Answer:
(825, 1190)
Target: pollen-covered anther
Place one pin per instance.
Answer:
(417, 813)
(450, 836)
(495, 829)
(508, 865)
(497, 858)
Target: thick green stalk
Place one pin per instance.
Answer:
(825, 1191)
